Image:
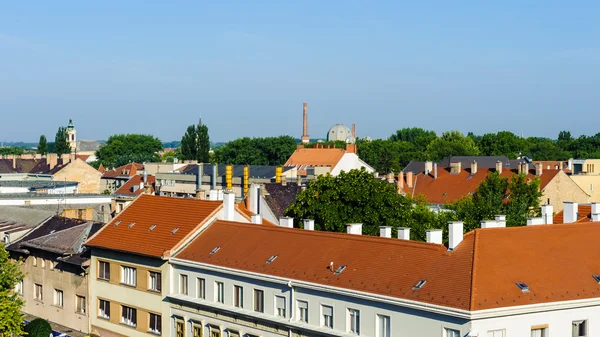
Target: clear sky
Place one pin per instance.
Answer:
(246, 67)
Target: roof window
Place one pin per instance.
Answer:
(151, 227)
(339, 270)
(596, 277)
(524, 287)
(174, 230)
(419, 284)
(131, 225)
(117, 223)
(216, 249)
(271, 259)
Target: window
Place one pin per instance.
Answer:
(43, 262)
(58, 298)
(183, 284)
(303, 311)
(51, 265)
(129, 276)
(539, 331)
(383, 326)
(104, 309)
(34, 261)
(238, 296)
(496, 333)
(220, 292)
(354, 321)
(103, 270)
(580, 328)
(197, 331)
(37, 292)
(233, 333)
(451, 333)
(129, 316)
(259, 300)
(201, 291)
(80, 304)
(280, 305)
(155, 281)
(215, 332)
(155, 324)
(327, 312)
(179, 329)
(19, 287)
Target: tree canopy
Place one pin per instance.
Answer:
(39, 327)
(11, 318)
(61, 142)
(14, 150)
(256, 151)
(122, 149)
(42, 147)
(195, 144)
(451, 143)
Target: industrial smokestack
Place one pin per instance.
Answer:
(354, 131)
(305, 139)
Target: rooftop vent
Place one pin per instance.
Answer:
(596, 277)
(152, 227)
(131, 225)
(271, 259)
(339, 270)
(419, 284)
(216, 249)
(174, 230)
(524, 288)
(117, 223)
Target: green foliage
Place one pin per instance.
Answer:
(11, 318)
(13, 150)
(42, 147)
(61, 142)
(503, 143)
(195, 144)
(418, 137)
(122, 149)
(170, 156)
(388, 156)
(38, 328)
(451, 143)
(256, 151)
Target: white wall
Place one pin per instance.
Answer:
(54, 201)
(349, 162)
(7, 190)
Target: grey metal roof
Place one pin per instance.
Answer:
(23, 216)
(36, 184)
(482, 162)
(88, 145)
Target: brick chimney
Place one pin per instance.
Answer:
(400, 182)
(351, 148)
(539, 169)
(51, 160)
(473, 167)
(428, 167)
(409, 179)
(305, 138)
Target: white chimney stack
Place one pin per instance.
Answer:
(570, 210)
(220, 194)
(500, 220)
(535, 221)
(309, 224)
(286, 222)
(385, 231)
(257, 219)
(595, 207)
(434, 236)
(455, 234)
(212, 195)
(548, 214)
(228, 206)
(489, 224)
(404, 233)
(253, 198)
(595, 217)
(354, 228)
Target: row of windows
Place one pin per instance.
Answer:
(39, 262)
(59, 297)
(214, 331)
(129, 316)
(129, 276)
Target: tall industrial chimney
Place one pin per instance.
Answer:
(354, 131)
(305, 139)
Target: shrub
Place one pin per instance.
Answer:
(38, 328)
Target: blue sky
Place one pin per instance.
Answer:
(246, 67)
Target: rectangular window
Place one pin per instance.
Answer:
(43, 263)
(201, 291)
(496, 333)
(220, 292)
(19, 287)
(129, 316)
(327, 313)
(215, 332)
(104, 309)
(303, 311)
(80, 304)
(51, 265)
(155, 324)
(452, 333)
(233, 333)
(259, 300)
(179, 329)
(354, 321)
(38, 292)
(540, 331)
(129, 276)
(183, 284)
(58, 298)
(103, 270)
(383, 326)
(197, 331)
(155, 282)
(34, 261)
(238, 296)
(580, 328)
(280, 306)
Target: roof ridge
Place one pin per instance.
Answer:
(59, 231)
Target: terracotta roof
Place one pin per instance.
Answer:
(101, 168)
(131, 187)
(449, 187)
(556, 262)
(315, 157)
(552, 164)
(83, 157)
(584, 213)
(147, 210)
(128, 170)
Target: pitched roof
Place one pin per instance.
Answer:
(132, 186)
(556, 262)
(482, 162)
(22, 165)
(315, 157)
(22, 216)
(130, 230)
(42, 166)
(246, 213)
(280, 197)
(584, 214)
(128, 170)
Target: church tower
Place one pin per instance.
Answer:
(72, 136)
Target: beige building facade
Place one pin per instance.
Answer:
(563, 188)
(81, 172)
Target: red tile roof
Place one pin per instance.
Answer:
(556, 262)
(584, 213)
(246, 213)
(128, 170)
(147, 210)
(315, 157)
(129, 187)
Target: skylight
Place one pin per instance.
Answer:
(174, 230)
(596, 277)
(117, 223)
(524, 287)
(131, 224)
(271, 259)
(216, 249)
(152, 227)
(339, 270)
(419, 284)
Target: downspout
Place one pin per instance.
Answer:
(292, 297)
(88, 300)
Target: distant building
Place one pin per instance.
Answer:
(312, 162)
(133, 188)
(113, 179)
(93, 207)
(81, 147)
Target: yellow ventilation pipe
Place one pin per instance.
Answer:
(229, 177)
(278, 173)
(246, 177)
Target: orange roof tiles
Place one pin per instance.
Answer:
(128, 187)
(584, 213)
(128, 170)
(315, 157)
(147, 210)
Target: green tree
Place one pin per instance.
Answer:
(122, 149)
(451, 143)
(39, 327)
(503, 143)
(42, 147)
(12, 150)
(11, 318)
(387, 156)
(195, 143)
(256, 151)
(169, 156)
(418, 137)
(203, 155)
(61, 142)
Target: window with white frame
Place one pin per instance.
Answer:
(539, 331)
(155, 324)
(183, 284)
(451, 332)
(201, 291)
(303, 311)
(238, 296)
(129, 316)
(220, 292)
(155, 281)
(383, 326)
(58, 298)
(38, 292)
(580, 328)
(496, 333)
(104, 309)
(259, 300)
(327, 313)
(80, 304)
(280, 306)
(103, 270)
(354, 321)
(129, 276)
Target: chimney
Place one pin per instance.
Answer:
(500, 220)
(283, 181)
(287, 222)
(428, 167)
(278, 173)
(489, 224)
(351, 148)
(229, 177)
(354, 228)
(198, 177)
(434, 236)
(548, 214)
(409, 179)
(458, 167)
(595, 217)
(385, 231)
(570, 210)
(535, 221)
(51, 160)
(145, 177)
(595, 208)
(473, 167)
(228, 206)
(400, 182)
(220, 195)
(257, 219)
(538, 169)
(214, 176)
(570, 164)
(390, 178)
(455, 234)
(14, 162)
(525, 168)
(499, 166)
(309, 224)
(305, 139)
(253, 199)
(213, 195)
(354, 131)
(434, 170)
(404, 233)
